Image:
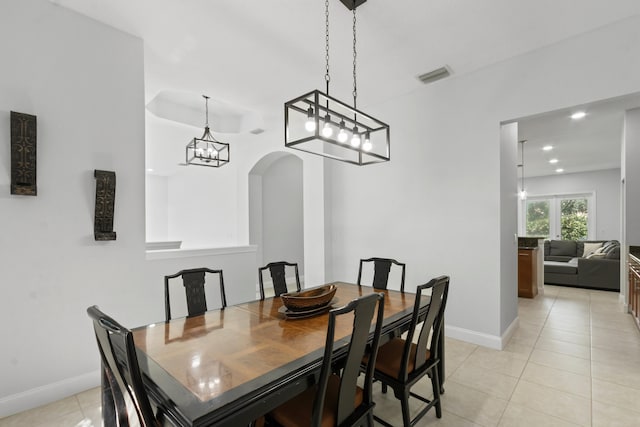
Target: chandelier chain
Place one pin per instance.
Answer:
(522, 162)
(327, 77)
(355, 54)
(206, 109)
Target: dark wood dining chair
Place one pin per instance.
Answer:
(278, 271)
(194, 287)
(121, 373)
(381, 270)
(336, 399)
(401, 363)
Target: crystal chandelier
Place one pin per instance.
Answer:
(320, 124)
(206, 150)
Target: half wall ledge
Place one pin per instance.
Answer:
(189, 253)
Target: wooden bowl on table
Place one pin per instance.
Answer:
(309, 298)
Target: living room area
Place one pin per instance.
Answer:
(571, 185)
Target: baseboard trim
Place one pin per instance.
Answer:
(474, 337)
(48, 393)
(511, 329)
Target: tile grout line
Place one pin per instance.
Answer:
(527, 361)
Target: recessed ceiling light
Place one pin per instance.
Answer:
(578, 115)
(149, 170)
(547, 148)
(553, 161)
(559, 170)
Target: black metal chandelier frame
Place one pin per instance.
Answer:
(206, 150)
(363, 121)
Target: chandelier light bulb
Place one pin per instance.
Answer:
(523, 195)
(327, 130)
(355, 140)
(342, 135)
(366, 145)
(310, 124)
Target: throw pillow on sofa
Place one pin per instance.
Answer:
(590, 248)
(601, 250)
(596, 256)
(614, 253)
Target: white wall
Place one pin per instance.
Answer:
(282, 224)
(84, 81)
(508, 221)
(201, 201)
(632, 176)
(157, 208)
(604, 183)
(437, 204)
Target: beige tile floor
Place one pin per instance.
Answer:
(574, 361)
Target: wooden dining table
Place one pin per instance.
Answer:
(228, 367)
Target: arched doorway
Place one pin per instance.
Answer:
(276, 224)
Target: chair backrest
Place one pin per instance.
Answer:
(429, 332)
(120, 369)
(278, 277)
(363, 309)
(194, 287)
(381, 270)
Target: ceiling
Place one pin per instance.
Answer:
(256, 54)
(587, 144)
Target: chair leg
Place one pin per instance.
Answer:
(406, 415)
(370, 418)
(435, 385)
(384, 388)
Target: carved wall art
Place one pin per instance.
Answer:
(23, 154)
(105, 203)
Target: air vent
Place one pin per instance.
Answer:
(434, 75)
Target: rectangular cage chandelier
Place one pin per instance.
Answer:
(318, 123)
(206, 150)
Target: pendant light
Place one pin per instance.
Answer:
(523, 192)
(206, 150)
(320, 124)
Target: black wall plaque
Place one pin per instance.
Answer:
(23, 154)
(105, 203)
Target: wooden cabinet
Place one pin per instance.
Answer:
(527, 272)
(634, 288)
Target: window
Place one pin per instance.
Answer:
(565, 217)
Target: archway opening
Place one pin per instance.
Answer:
(276, 214)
